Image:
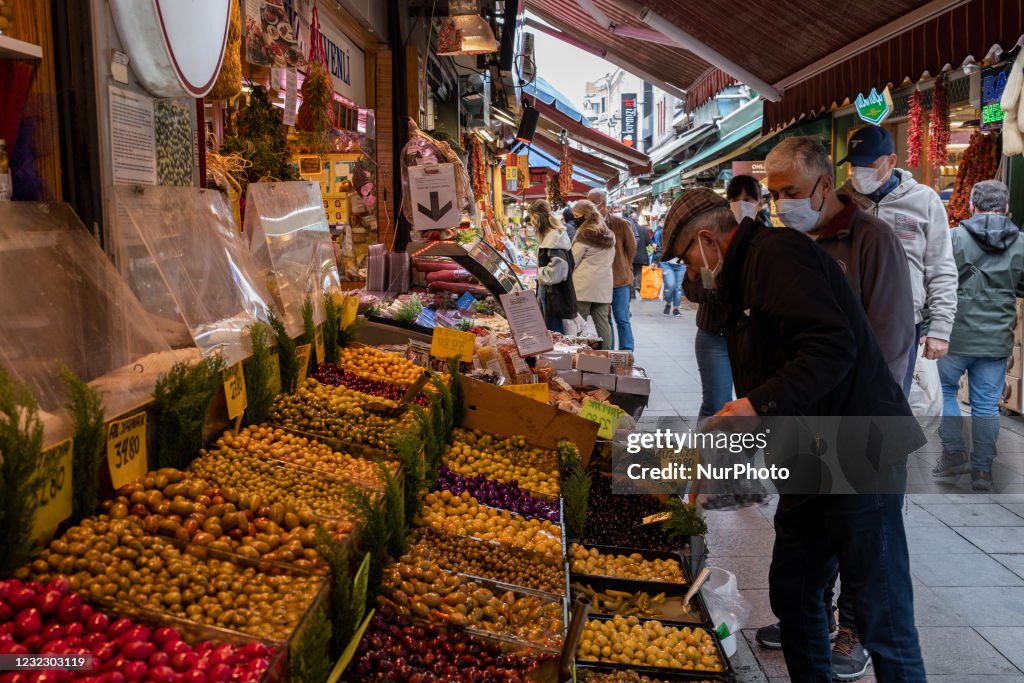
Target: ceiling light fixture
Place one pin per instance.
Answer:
(465, 32)
(485, 134)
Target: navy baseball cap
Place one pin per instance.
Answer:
(867, 144)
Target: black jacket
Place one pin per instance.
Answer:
(559, 299)
(711, 314)
(641, 257)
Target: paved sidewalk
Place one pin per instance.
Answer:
(967, 551)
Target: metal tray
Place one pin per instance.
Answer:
(669, 612)
(655, 674)
(645, 554)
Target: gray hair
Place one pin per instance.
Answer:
(598, 196)
(990, 195)
(805, 152)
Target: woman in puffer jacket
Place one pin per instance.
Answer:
(593, 250)
(554, 267)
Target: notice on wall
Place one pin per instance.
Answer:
(433, 196)
(527, 322)
(132, 137)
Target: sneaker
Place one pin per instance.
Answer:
(769, 637)
(951, 464)
(675, 312)
(668, 309)
(981, 481)
(850, 660)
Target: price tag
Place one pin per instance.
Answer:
(302, 358)
(359, 585)
(274, 381)
(349, 309)
(603, 414)
(234, 390)
(449, 343)
(540, 392)
(318, 340)
(126, 449)
(655, 518)
(687, 459)
(54, 503)
(350, 651)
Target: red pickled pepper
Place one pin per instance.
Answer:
(938, 127)
(915, 135)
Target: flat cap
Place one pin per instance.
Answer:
(687, 206)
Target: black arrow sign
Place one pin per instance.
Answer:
(435, 211)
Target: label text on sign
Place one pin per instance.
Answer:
(302, 358)
(234, 390)
(54, 502)
(607, 416)
(448, 343)
(126, 449)
(539, 392)
(319, 339)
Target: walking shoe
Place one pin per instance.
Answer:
(769, 637)
(668, 309)
(675, 312)
(951, 464)
(981, 481)
(850, 660)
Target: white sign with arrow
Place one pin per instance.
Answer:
(433, 196)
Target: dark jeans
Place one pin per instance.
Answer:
(863, 535)
(909, 378)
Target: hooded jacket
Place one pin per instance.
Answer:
(593, 250)
(915, 213)
(554, 275)
(990, 265)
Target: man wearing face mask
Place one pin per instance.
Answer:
(915, 214)
(800, 344)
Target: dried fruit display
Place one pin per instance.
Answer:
(980, 162)
(938, 126)
(511, 460)
(629, 640)
(915, 133)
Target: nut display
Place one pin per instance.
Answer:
(394, 649)
(116, 560)
(591, 561)
(626, 603)
(499, 494)
(487, 560)
(416, 588)
(173, 128)
(462, 515)
(221, 519)
(331, 374)
(615, 520)
(629, 640)
(511, 460)
(381, 366)
(588, 676)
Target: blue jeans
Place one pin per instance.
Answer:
(715, 372)
(672, 275)
(620, 310)
(985, 378)
(864, 536)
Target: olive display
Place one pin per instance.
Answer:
(486, 560)
(629, 640)
(588, 676)
(626, 603)
(615, 520)
(416, 588)
(462, 515)
(591, 561)
(511, 460)
(382, 366)
(115, 560)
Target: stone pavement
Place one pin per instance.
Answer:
(967, 551)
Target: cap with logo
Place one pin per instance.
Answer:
(867, 144)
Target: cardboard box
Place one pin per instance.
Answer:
(600, 380)
(573, 377)
(635, 382)
(1014, 363)
(621, 359)
(601, 365)
(557, 360)
(1011, 395)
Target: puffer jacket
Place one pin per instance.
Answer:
(593, 250)
(990, 263)
(915, 213)
(554, 275)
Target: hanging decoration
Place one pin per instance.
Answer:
(555, 197)
(229, 81)
(938, 127)
(314, 116)
(479, 170)
(259, 139)
(980, 162)
(565, 172)
(915, 135)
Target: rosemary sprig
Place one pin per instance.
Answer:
(332, 327)
(285, 352)
(259, 394)
(180, 401)
(685, 521)
(86, 406)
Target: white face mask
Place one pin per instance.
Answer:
(867, 179)
(798, 214)
(743, 208)
(708, 276)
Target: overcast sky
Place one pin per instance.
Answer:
(566, 67)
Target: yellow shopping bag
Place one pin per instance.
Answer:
(650, 282)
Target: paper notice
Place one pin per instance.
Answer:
(527, 322)
(290, 96)
(132, 138)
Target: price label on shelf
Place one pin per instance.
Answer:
(302, 358)
(603, 414)
(349, 309)
(54, 502)
(449, 343)
(234, 390)
(540, 392)
(126, 449)
(318, 339)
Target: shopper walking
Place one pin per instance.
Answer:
(915, 214)
(593, 252)
(554, 267)
(800, 344)
(569, 221)
(642, 257)
(990, 262)
(622, 271)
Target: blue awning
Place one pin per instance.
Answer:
(540, 158)
(549, 94)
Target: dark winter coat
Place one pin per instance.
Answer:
(554, 276)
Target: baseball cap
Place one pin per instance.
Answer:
(686, 207)
(867, 144)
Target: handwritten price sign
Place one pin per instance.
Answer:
(687, 459)
(54, 503)
(126, 449)
(319, 340)
(234, 391)
(274, 381)
(603, 414)
(349, 309)
(302, 358)
(539, 392)
(448, 343)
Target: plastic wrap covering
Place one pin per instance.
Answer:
(182, 256)
(61, 301)
(291, 245)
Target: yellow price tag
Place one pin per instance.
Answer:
(349, 310)
(449, 343)
(603, 414)
(126, 449)
(302, 358)
(540, 392)
(234, 390)
(319, 341)
(274, 381)
(54, 503)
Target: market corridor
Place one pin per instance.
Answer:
(967, 551)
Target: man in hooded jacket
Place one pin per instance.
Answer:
(990, 264)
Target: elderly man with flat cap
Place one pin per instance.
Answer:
(801, 345)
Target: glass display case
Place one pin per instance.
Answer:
(181, 254)
(485, 263)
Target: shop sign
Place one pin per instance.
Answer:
(751, 168)
(628, 113)
(993, 82)
(345, 61)
(433, 197)
(176, 47)
(874, 108)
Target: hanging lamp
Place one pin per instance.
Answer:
(465, 32)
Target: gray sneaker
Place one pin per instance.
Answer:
(951, 464)
(850, 660)
(981, 481)
(769, 637)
